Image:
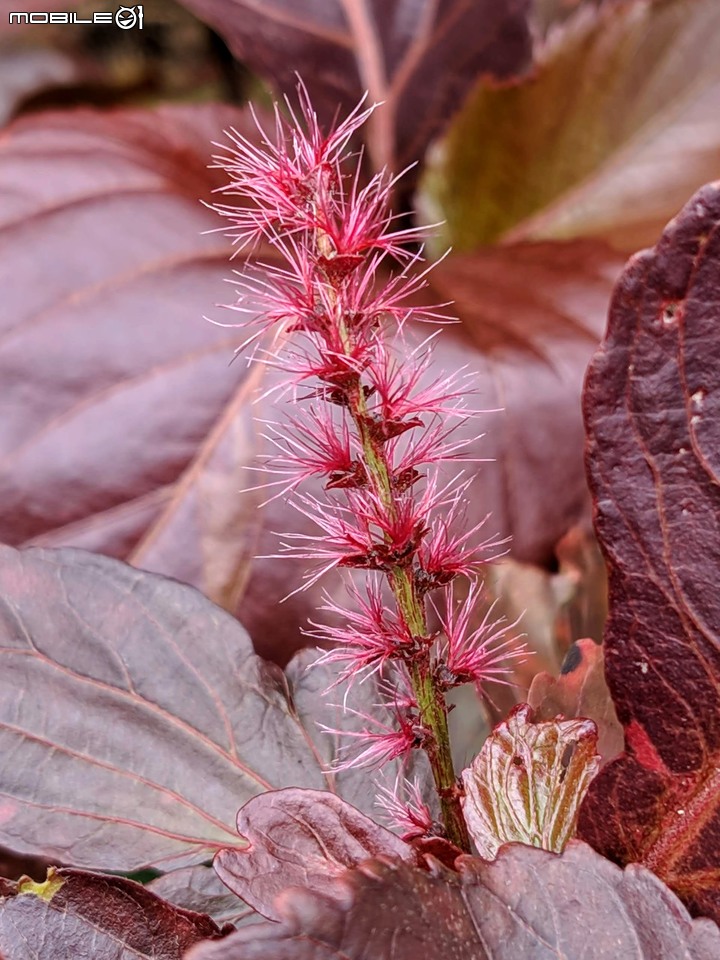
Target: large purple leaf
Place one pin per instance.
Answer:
(77, 914)
(527, 904)
(419, 57)
(135, 718)
(652, 404)
(301, 838)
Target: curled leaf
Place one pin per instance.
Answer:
(301, 838)
(528, 781)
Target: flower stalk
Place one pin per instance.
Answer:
(373, 428)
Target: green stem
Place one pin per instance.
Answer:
(430, 699)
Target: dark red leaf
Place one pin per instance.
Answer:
(301, 838)
(527, 904)
(416, 56)
(137, 718)
(580, 691)
(104, 918)
(652, 404)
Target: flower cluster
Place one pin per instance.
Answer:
(372, 423)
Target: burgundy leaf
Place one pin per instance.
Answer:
(77, 914)
(580, 691)
(527, 904)
(138, 719)
(301, 838)
(418, 57)
(652, 403)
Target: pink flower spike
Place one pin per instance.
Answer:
(404, 809)
(382, 432)
(380, 743)
(478, 655)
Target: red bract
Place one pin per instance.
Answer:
(399, 390)
(361, 221)
(324, 447)
(348, 287)
(446, 553)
